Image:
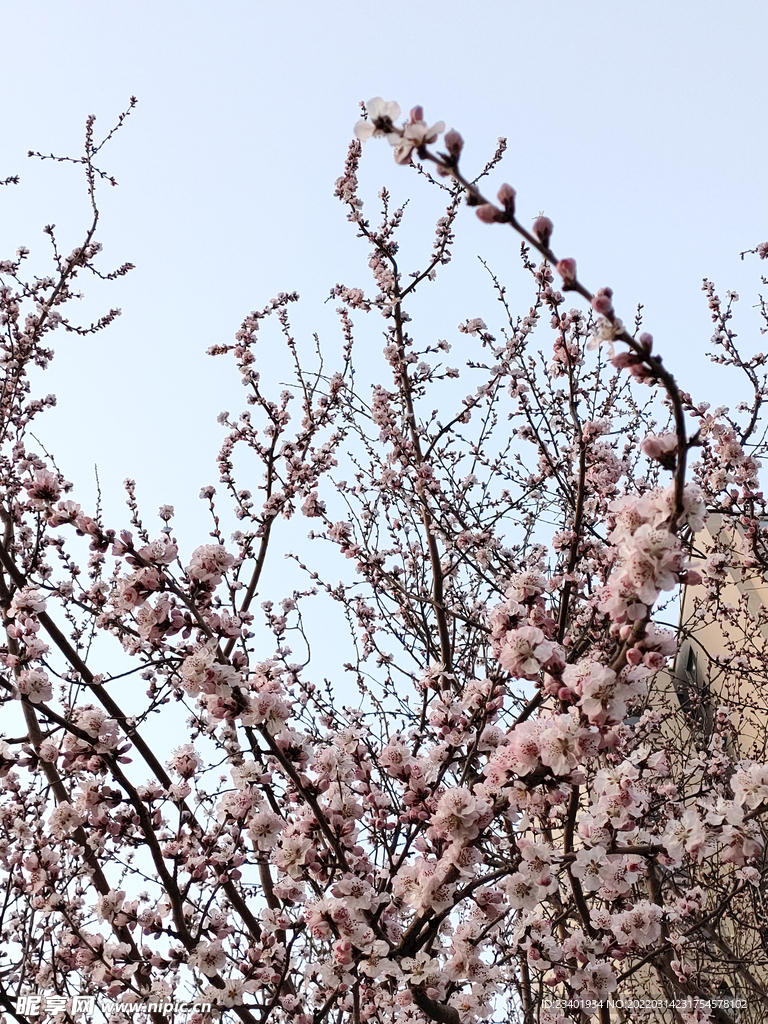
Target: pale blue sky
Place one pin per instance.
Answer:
(639, 127)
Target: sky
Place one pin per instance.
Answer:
(640, 128)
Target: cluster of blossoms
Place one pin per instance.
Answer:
(651, 556)
(519, 801)
(380, 124)
(24, 656)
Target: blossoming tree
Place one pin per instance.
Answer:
(502, 810)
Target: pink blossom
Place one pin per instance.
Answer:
(185, 761)
(159, 552)
(289, 856)
(109, 904)
(522, 891)
(64, 820)
(558, 742)
(235, 804)
(35, 684)
(750, 784)
(686, 835)
(458, 815)
(415, 133)
(207, 957)
(588, 866)
(209, 564)
(356, 893)
(595, 981)
(44, 489)
(524, 651)
(381, 115)
(395, 757)
(28, 601)
(522, 754)
(196, 669)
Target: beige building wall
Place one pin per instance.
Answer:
(723, 655)
(722, 661)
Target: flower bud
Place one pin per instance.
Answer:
(662, 448)
(342, 952)
(417, 114)
(601, 301)
(489, 214)
(453, 143)
(506, 197)
(567, 270)
(543, 228)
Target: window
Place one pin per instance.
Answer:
(693, 692)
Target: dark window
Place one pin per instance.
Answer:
(693, 693)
